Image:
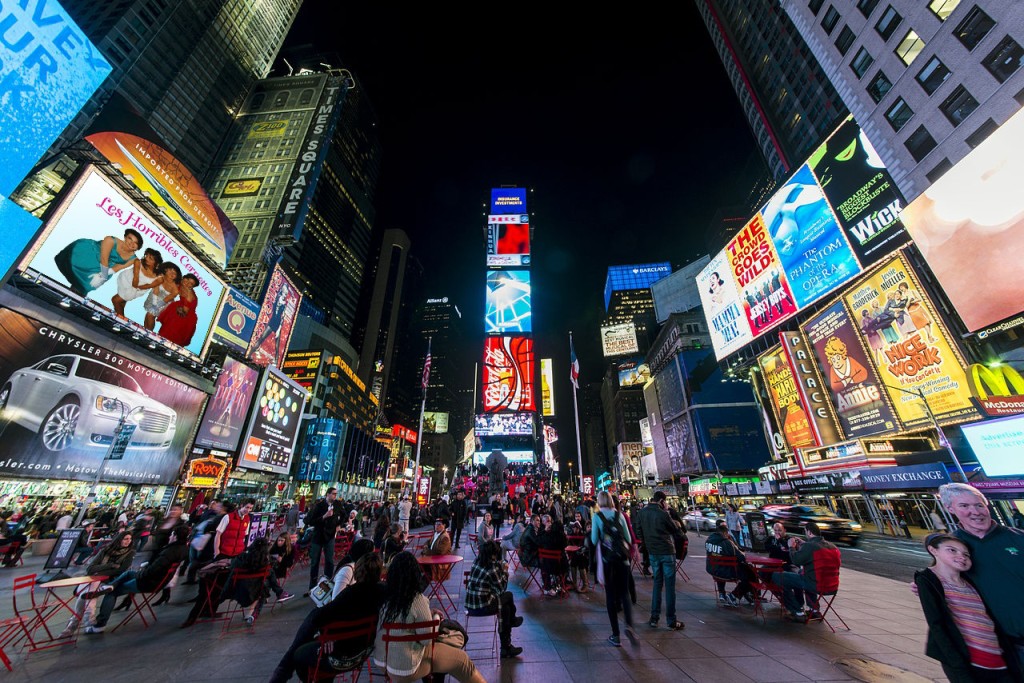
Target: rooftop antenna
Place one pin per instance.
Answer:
(291, 70)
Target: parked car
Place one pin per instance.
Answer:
(74, 402)
(700, 520)
(794, 517)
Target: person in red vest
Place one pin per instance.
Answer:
(233, 530)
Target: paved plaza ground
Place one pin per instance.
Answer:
(564, 639)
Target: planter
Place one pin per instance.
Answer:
(42, 546)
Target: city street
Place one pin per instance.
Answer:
(564, 639)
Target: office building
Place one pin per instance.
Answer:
(788, 102)
(926, 80)
(595, 455)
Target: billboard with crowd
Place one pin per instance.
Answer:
(836, 215)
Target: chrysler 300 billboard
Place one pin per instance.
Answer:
(62, 398)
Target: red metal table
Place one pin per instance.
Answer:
(54, 608)
(437, 569)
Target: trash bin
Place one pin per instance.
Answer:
(758, 531)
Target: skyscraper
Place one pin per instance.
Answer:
(788, 101)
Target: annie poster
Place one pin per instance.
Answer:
(857, 394)
(910, 347)
(760, 278)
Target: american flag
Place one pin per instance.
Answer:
(574, 365)
(426, 369)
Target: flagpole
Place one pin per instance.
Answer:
(419, 432)
(576, 414)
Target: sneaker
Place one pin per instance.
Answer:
(731, 601)
(814, 614)
(653, 623)
(511, 651)
(517, 622)
(285, 596)
(676, 626)
(798, 615)
(250, 620)
(552, 592)
(102, 590)
(95, 629)
(614, 640)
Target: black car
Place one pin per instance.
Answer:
(832, 528)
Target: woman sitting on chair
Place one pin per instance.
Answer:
(405, 603)
(486, 594)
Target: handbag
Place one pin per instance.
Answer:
(452, 633)
(320, 594)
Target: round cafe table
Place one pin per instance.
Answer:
(437, 569)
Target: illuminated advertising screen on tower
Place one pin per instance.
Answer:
(619, 340)
(236, 321)
(508, 240)
(274, 425)
(508, 374)
(99, 245)
(504, 424)
(224, 420)
(274, 325)
(508, 306)
(508, 200)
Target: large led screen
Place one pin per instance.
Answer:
(237, 319)
(969, 225)
(100, 245)
(547, 388)
(480, 457)
(508, 240)
(508, 200)
(508, 302)
(276, 320)
(619, 340)
(508, 374)
(62, 398)
(274, 425)
(173, 188)
(898, 325)
(998, 445)
(504, 424)
(633, 372)
(857, 394)
(224, 421)
(720, 299)
(49, 69)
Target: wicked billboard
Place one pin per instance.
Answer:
(63, 398)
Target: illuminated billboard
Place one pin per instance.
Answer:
(435, 423)
(619, 340)
(508, 307)
(504, 424)
(224, 419)
(765, 293)
(910, 346)
(720, 299)
(480, 457)
(274, 424)
(998, 445)
(174, 190)
(100, 245)
(508, 200)
(63, 396)
(236, 320)
(969, 225)
(274, 325)
(508, 374)
(303, 367)
(785, 400)
(633, 372)
(508, 240)
(547, 388)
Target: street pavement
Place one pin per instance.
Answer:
(564, 639)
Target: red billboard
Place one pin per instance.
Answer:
(508, 374)
(276, 320)
(760, 277)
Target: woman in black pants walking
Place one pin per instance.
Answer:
(610, 534)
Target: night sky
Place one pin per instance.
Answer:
(623, 126)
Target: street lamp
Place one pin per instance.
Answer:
(718, 472)
(445, 470)
(943, 441)
(570, 475)
(118, 442)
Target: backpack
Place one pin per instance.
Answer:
(613, 545)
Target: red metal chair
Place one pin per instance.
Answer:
(389, 635)
(362, 631)
(826, 573)
(13, 556)
(558, 556)
(723, 564)
(34, 616)
(234, 580)
(9, 629)
(679, 561)
(143, 601)
(531, 574)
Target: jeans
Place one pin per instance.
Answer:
(314, 560)
(123, 584)
(794, 588)
(616, 594)
(664, 567)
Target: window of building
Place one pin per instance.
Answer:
(830, 20)
(939, 170)
(978, 136)
(1005, 59)
(845, 40)
(920, 143)
(899, 113)
(281, 99)
(861, 63)
(1019, 97)
(888, 22)
(910, 47)
(815, 6)
(879, 86)
(942, 8)
(959, 105)
(932, 75)
(866, 7)
(974, 27)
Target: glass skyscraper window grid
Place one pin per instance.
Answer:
(879, 86)
(958, 106)
(640, 276)
(830, 19)
(888, 22)
(815, 6)
(932, 75)
(866, 7)
(920, 143)
(910, 47)
(974, 27)
(862, 61)
(845, 40)
(1005, 59)
(943, 8)
(898, 114)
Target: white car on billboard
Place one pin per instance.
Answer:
(74, 402)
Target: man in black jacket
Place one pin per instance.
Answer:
(324, 519)
(459, 511)
(659, 534)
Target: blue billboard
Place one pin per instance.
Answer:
(812, 248)
(19, 228)
(508, 306)
(508, 200)
(637, 276)
(237, 320)
(321, 444)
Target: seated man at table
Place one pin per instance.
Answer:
(146, 580)
(721, 544)
(778, 546)
(797, 585)
(440, 544)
